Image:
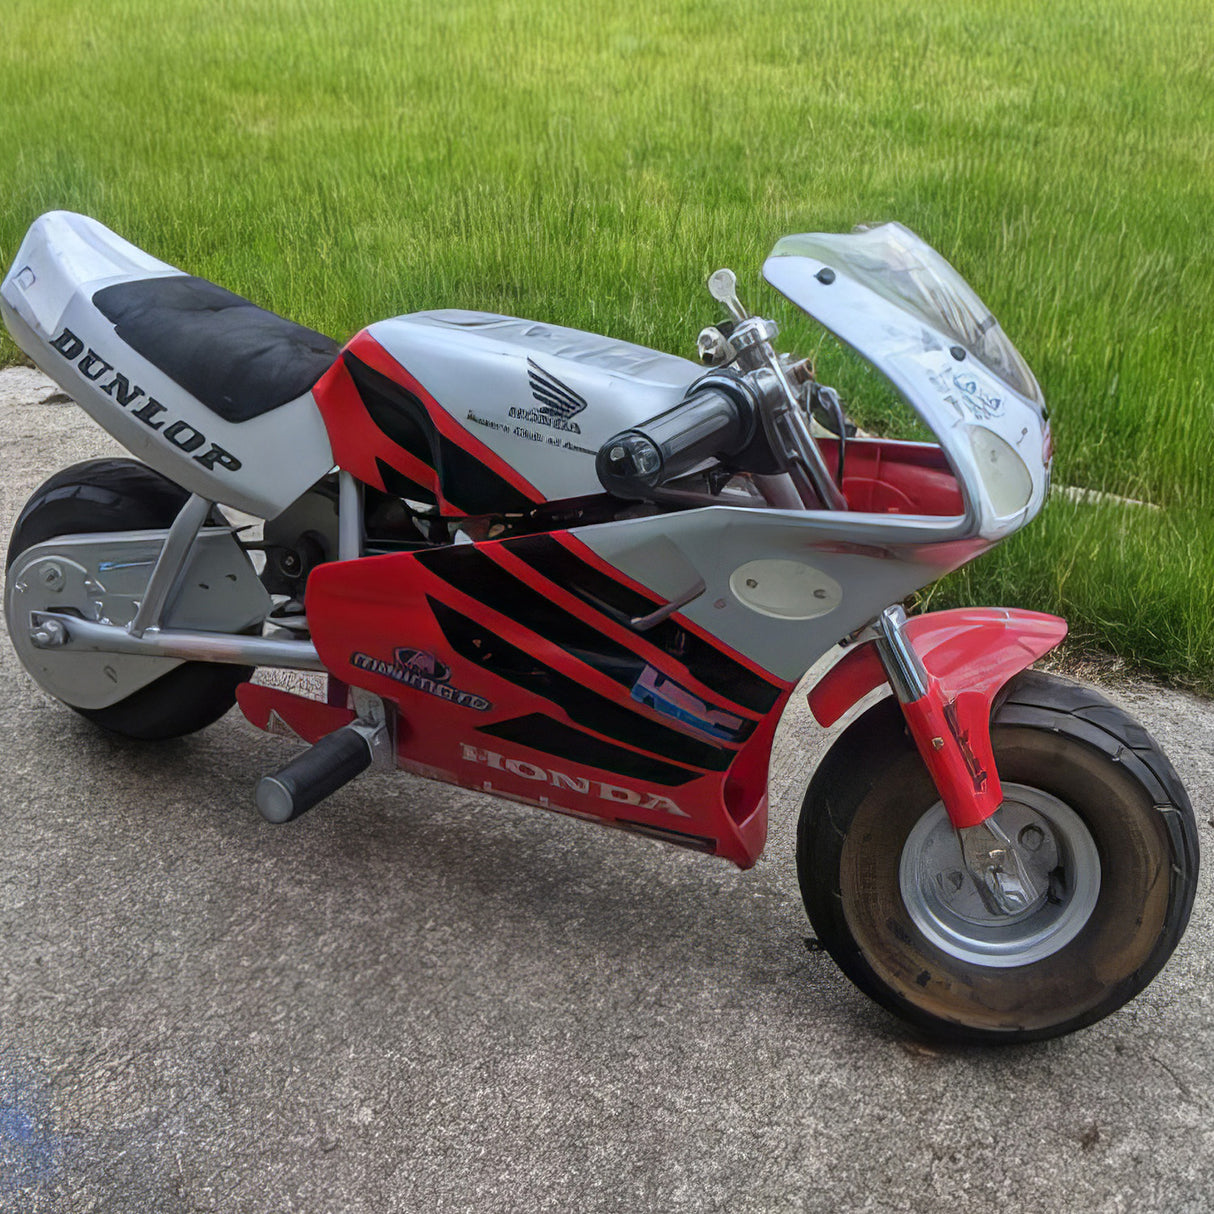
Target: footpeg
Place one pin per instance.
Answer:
(317, 773)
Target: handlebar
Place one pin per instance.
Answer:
(710, 424)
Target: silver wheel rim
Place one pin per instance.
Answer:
(943, 900)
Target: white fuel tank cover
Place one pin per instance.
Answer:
(785, 590)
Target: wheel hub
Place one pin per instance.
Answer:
(1059, 861)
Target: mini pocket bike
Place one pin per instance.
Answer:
(574, 572)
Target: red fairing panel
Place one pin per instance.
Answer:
(387, 430)
(516, 672)
(288, 715)
(969, 655)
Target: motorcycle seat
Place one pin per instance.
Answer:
(237, 359)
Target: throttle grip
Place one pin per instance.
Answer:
(711, 424)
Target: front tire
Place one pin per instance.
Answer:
(125, 495)
(903, 920)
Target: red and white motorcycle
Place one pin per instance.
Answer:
(586, 575)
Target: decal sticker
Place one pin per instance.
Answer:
(581, 704)
(981, 403)
(532, 436)
(579, 784)
(125, 392)
(422, 671)
(664, 695)
(558, 403)
(546, 735)
(971, 393)
(470, 477)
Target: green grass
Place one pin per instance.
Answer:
(343, 161)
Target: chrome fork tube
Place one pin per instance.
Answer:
(902, 665)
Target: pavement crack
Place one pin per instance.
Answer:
(1184, 1089)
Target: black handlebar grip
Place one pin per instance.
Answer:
(711, 424)
(310, 777)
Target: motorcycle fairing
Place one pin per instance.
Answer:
(969, 655)
(513, 677)
(897, 302)
(488, 414)
(851, 567)
(391, 433)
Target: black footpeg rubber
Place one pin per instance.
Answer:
(320, 771)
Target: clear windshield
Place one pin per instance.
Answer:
(893, 262)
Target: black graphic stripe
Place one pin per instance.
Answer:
(678, 837)
(467, 483)
(398, 414)
(469, 570)
(486, 649)
(727, 677)
(548, 736)
(400, 485)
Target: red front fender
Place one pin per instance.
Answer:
(969, 655)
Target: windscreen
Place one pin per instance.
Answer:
(894, 263)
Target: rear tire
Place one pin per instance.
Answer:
(1118, 900)
(125, 495)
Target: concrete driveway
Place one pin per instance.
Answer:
(421, 999)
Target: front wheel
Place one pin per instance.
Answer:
(1108, 834)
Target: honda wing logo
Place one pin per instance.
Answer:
(554, 396)
(558, 404)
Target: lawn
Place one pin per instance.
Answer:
(587, 165)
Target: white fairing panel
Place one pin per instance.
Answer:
(544, 398)
(996, 438)
(260, 465)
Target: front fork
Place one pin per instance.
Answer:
(946, 668)
(956, 747)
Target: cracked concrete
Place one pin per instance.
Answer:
(417, 998)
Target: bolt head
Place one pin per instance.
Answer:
(49, 633)
(1031, 837)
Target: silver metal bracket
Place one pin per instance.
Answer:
(48, 630)
(754, 331)
(642, 623)
(376, 722)
(169, 564)
(349, 517)
(998, 870)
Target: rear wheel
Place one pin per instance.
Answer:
(1108, 837)
(125, 495)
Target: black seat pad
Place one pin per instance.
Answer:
(236, 358)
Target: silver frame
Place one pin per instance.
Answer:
(144, 637)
